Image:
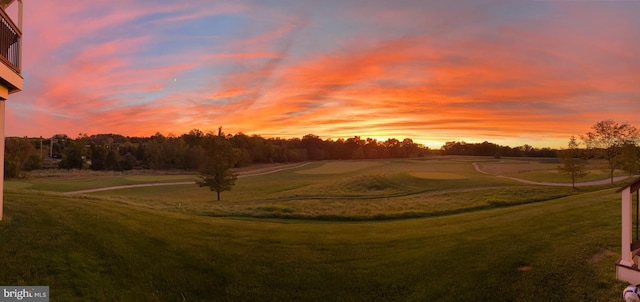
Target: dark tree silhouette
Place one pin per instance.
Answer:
(608, 138)
(72, 155)
(17, 152)
(573, 163)
(216, 172)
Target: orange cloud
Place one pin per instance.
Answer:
(514, 73)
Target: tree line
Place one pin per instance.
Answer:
(193, 151)
(189, 151)
(490, 149)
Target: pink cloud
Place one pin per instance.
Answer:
(431, 71)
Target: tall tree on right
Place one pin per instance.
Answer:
(608, 138)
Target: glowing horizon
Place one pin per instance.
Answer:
(511, 73)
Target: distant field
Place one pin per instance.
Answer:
(436, 175)
(471, 237)
(67, 184)
(340, 167)
(334, 190)
(545, 171)
(356, 191)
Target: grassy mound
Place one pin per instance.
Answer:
(340, 167)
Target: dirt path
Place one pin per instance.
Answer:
(242, 175)
(555, 184)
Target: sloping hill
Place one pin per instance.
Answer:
(93, 248)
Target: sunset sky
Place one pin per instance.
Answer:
(510, 72)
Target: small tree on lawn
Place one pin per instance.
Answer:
(573, 163)
(216, 172)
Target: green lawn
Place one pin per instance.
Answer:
(545, 170)
(556, 176)
(385, 190)
(123, 246)
(68, 184)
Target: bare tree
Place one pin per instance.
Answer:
(608, 138)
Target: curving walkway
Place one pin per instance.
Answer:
(555, 184)
(246, 174)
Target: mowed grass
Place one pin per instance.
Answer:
(339, 167)
(69, 184)
(357, 191)
(471, 237)
(545, 170)
(89, 249)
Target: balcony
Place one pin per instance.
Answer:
(9, 42)
(10, 51)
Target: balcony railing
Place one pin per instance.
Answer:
(10, 37)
